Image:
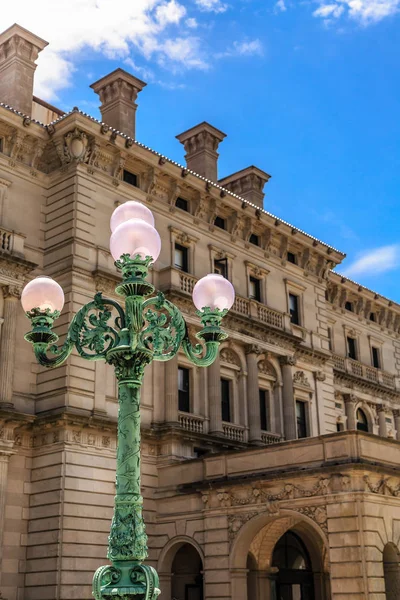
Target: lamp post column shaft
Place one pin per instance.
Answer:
(128, 540)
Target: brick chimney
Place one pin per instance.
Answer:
(247, 183)
(117, 92)
(201, 144)
(19, 48)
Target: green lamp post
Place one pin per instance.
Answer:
(148, 328)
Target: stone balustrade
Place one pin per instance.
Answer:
(233, 432)
(270, 438)
(192, 423)
(353, 367)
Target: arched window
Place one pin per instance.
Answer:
(391, 569)
(295, 577)
(291, 553)
(362, 421)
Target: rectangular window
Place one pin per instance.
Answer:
(220, 222)
(351, 348)
(181, 258)
(221, 267)
(294, 309)
(255, 289)
(376, 359)
(226, 400)
(254, 239)
(130, 178)
(330, 338)
(301, 419)
(183, 389)
(291, 258)
(349, 306)
(263, 409)
(182, 204)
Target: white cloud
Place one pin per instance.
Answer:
(375, 262)
(185, 51)
(364, 11)
(280, 6)
(215, 6)
(244, 48)
(191, 23)
(115, 28)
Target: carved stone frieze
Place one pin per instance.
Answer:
(229, 356)
(266, 368)
(383, 486)
(300, 378)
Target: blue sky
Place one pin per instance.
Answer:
(308, 91)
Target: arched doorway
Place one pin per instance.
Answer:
(294, 579)
(391, 569)
(253, 560)
(187, 574)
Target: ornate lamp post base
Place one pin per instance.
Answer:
(126, 580)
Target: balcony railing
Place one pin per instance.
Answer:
(173, 278)
(233, 432)
(192, 423)
(11, 242)
(353, 367)
(270, 438)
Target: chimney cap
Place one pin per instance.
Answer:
(30, 37)
(118, 74)
(243, 173)
(204, 126)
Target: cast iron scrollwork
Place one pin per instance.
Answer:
(89, 330)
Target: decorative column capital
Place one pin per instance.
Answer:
(350, 398)
(12, 291)
(252, 349)
(320, 376)
(290, 361)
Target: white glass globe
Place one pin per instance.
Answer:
(135, 237)
(42, 292)
(130, 210)
(213, 291)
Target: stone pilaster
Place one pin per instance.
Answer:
(214, 396)
(289, 408)
(350, 402)
(6, 449)
(382, 421)
(11, 296)
(320, 377)
(171, 390)
(396, 415)
(253, 394)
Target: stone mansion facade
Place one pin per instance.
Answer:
(271, 475)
